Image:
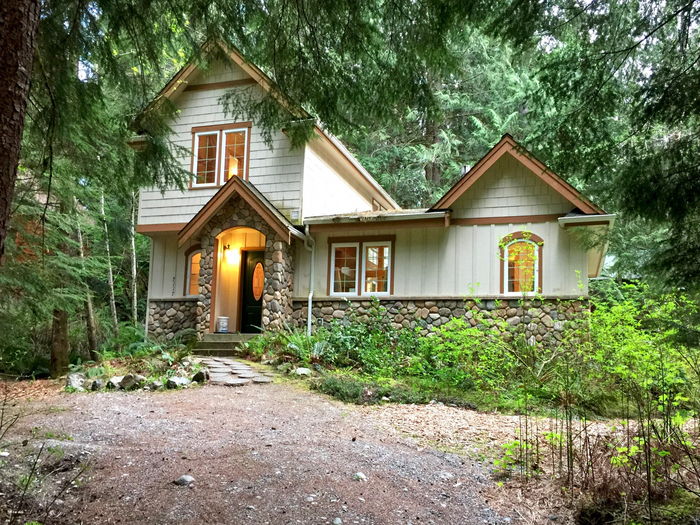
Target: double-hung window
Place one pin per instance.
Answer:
(360, 267)
(344, 267)
(375, 267)
(219, 153)
(206, 158)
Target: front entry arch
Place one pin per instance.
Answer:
(240, 279)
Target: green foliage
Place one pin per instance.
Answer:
(419, 153)
(465, 356)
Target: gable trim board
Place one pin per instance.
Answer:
(237, 186)
(226, 84)
(508, 145)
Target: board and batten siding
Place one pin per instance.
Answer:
(458, 261)
(325, 191)
(508, 188)
(276, 169)
(166, 278)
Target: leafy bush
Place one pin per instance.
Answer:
(463, 356)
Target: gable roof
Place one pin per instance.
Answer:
(181, 80)
(508, 145)
(251, 195)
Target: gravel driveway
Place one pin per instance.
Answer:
(259, 454)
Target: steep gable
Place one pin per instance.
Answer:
(506, 189)
(506, 148)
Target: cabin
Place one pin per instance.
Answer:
(268, 237)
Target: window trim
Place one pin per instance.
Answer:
(195, 157)
(219, 130)
(331, 269)
(363, 263)
(361, 241)
(222, 153)
(506, 241)
(188, 268)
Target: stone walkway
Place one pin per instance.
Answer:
(229, 372)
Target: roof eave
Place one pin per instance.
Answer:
(325, 219)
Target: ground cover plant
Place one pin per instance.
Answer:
(609, 411)
(143, 362)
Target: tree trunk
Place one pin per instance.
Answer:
(89, 310)
(19, 20)
(59, 343)
(132, 244)
(433, 173)
(110, 275)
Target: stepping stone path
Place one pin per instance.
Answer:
(229, 372)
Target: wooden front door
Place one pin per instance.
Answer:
(252, 288)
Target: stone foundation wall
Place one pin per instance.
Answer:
(539, 320)
(167, 318)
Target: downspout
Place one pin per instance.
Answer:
(148, 296)
(310, 245)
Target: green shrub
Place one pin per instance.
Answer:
(368, 343)
(466, 357)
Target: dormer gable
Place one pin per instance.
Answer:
(509, 176)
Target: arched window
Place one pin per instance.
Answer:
(194, 259)
(521, 263)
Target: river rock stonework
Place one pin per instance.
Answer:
(167, 318)
(279, 271)
(540, 320)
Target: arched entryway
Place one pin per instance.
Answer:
(239, 285)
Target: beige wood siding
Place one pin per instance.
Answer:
(459, 261)
(509, 189)
(168, 267)
(276, 171)
(326, 191)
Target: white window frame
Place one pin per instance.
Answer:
(366, 245)
(536, 281)
(222, 153)
(195, 153)
(189, 272)
(358, 258)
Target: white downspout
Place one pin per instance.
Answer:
(148, 295)
(310, 245)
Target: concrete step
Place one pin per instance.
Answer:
(218, 352)
(217, 344)
(228, 338)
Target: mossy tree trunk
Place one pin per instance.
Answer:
(59, 343)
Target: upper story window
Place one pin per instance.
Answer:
(361, 266)
(219, 153)
(206, 146)
(521, 260)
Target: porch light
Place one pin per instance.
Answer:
(232, 167)
(232, 256)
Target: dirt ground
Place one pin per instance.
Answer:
(271, 454)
